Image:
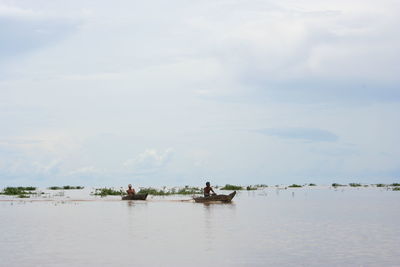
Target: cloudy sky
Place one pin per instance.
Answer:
(178, 92)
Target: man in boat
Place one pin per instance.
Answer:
(130, 191)
(208, 189)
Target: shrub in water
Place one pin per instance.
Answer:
(107, 192)
(232, 187)
(28, 188)
(251, 188)
(153, 191)
(188, 191)
(65, 187)
(260, 185)
(68, 187)
(16, 190)
(54, 188)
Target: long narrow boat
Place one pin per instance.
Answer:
(216, 198)
(135, 197)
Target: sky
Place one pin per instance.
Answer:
(153, 92)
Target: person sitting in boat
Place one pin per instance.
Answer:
(130, 191)
(208, 189)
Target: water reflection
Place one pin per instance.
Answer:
(208, 227)
(216, 218)
(130, 203)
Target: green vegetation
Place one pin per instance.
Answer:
(54, 188)
(380, 185)
(354, 184)
(395, 184)
(28, 188)
(21, 192)
(189, 191)
(251, 188)
(17, 190)
(65, 187)
(260, 185)
(336, 185)
(295, 186)
(107, 192)
(255, 187)
(153, 191)
(312, 184)
(232, 187)
(396, 188)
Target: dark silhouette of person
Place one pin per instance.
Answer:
(130, 191)
(208, 189)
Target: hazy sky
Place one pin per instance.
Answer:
(179, 92)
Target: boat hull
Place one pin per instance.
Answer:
(216, 198)
(135, 197)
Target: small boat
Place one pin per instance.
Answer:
(135, 197)
(216, 198)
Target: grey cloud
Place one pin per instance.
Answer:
(323, 90)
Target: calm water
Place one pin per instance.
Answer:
(296, 227)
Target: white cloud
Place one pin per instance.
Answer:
(13, 11)
(149, 161)
(46, 168)
(36, 156)
(86, 170)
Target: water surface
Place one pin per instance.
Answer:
(294, 227)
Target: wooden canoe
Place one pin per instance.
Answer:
(135, 197)
(216, 198)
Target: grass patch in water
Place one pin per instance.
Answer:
(232, 187)
(380, 185)
(188, 191)
(312, 184)
(355, 184)
(65, 187)
(250, 187)
(54, 188)
(107, 192)
(12, 191)
(295, 186)
(28, 188)
(155, 192)
(336, 185)
(396, 189)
